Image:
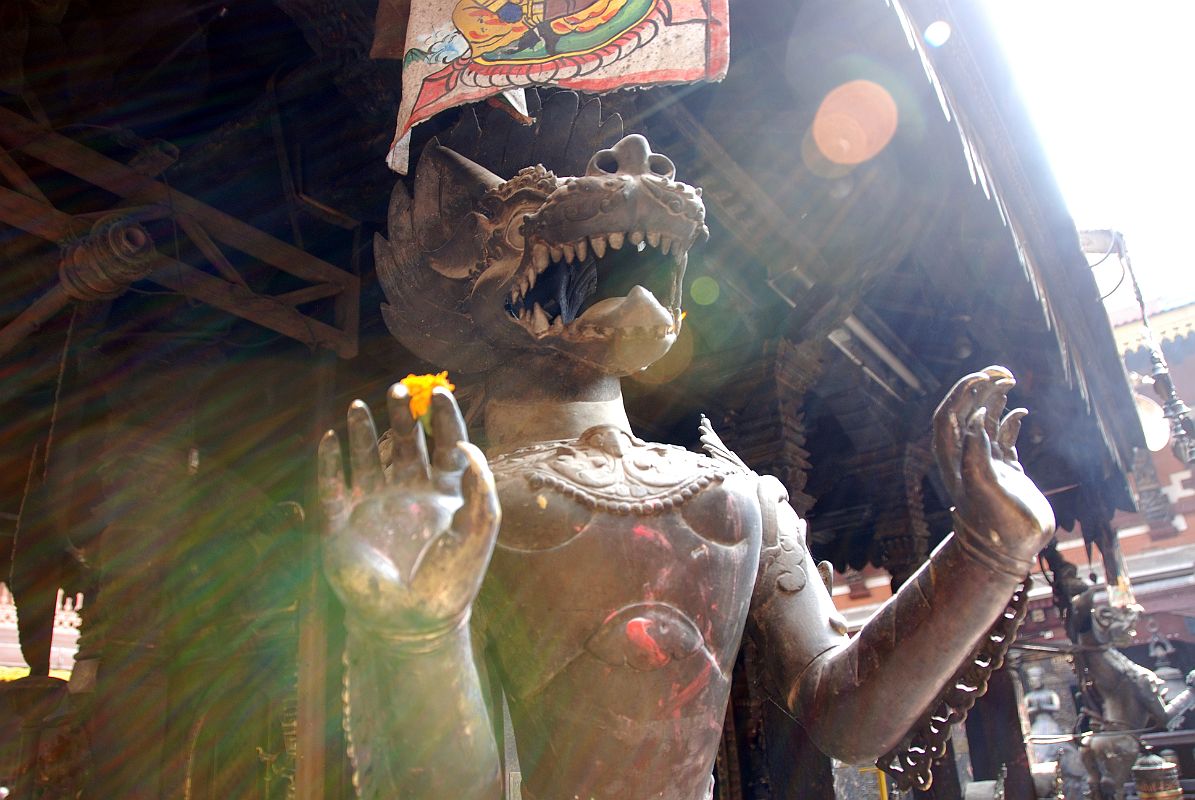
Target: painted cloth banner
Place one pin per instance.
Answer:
(462, 51)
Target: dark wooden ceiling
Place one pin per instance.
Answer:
(272, 112)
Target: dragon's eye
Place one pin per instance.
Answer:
(514, 232)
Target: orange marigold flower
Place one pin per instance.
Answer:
(420, 387)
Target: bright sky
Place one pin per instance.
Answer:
(1111, 87)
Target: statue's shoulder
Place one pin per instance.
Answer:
(769, 488)
(716, 449)
(609, 469)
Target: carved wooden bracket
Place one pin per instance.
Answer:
(901, 543)
(109, 262)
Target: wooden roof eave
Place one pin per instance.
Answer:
(1009, 165)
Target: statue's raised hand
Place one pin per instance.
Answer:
(1001, 517)
(407, 547)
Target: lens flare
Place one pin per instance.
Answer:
(674, 362)
(705, 291)
(855, 122)
(937, 33)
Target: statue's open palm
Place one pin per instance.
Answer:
(975, 447)
(407, 548)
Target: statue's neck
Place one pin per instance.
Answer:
(533, 403)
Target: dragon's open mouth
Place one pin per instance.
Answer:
(601, 283)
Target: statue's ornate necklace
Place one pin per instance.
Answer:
(608, 469)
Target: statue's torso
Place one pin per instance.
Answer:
(615, 605)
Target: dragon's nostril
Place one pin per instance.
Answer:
(632, 155)
(661, 165)
(603, 161)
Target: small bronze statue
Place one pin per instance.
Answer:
(610, 603)
(1122, 698)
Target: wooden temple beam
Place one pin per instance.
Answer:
(17, 132)
(13, 173)
(276, 314)
(263, 310)
(719, 159)
(38, 218)
(32, 318)
(307, 294)
(753, 217)
(210, 250)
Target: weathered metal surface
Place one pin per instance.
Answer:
(1125, 697)
(1156, 778)
(621, 583)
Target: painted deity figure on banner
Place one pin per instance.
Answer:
(462, 51)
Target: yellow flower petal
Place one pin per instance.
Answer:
(420, 387)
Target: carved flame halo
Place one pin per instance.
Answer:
(477, 268)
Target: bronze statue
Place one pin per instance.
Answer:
(1122, 698)
(609, 608)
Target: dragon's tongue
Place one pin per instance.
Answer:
(639, 309)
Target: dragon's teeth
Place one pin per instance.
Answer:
(599, 245)
(582, 250)
(557, 326)
(557, 253)
(637, 238)
(569, 253)
(653, 239)
(539, 256)
(539, 319)
(524, 313)
(665, 244)
(616, 240)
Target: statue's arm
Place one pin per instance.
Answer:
(417, 722)
(406, 551)
(1176, 709)
(893, 670)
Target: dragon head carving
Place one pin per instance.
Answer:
(1108, 625)
(478, 270)
(1115, 625)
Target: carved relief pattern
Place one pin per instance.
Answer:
(902, 534)
(911, 763)
(782, 555)
(609, 470)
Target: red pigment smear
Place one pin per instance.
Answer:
(639, 635)
(736, 518)
(641, 531)
(682, 697)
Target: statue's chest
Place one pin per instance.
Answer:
(635, 555)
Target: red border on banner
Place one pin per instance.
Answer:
(439, 91)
